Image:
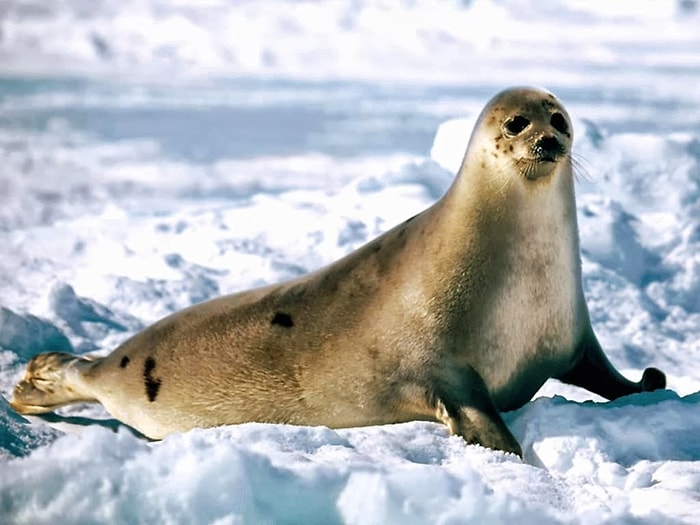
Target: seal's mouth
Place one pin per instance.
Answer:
(536, 168)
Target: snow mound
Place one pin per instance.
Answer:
(27, 335)
(641, 449)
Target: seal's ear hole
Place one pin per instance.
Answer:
(516, 124)
(558, 122)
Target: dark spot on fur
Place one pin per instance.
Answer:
(283, 319)
(124, 362)
(152, 384)
(511, 148)
(373, 353)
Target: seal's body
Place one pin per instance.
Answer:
(460, 312)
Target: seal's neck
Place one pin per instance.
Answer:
(496, 224)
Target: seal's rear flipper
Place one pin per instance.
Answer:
(51, 381)
(595, 373)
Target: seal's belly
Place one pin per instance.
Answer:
(520, 362)
(530, 337)
(513, 390)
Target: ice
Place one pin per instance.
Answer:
(599, 465)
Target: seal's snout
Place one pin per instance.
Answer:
(548, 148)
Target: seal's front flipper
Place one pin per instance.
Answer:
(595, 373)
(470, 412)
(51, 381)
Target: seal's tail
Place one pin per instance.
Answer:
(51, 381)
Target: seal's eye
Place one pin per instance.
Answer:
(516, 125)
(558, 122)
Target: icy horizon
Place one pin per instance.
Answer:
(482, 42)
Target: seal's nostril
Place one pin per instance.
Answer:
(549, 144)
(548, 148)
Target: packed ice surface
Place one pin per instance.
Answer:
(156, 154)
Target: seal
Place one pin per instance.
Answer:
(459, 313)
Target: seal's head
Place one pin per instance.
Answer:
(525, 128)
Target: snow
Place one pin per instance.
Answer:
(154, 154)
(598, 464)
